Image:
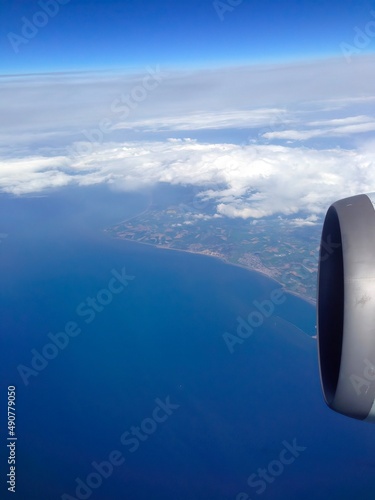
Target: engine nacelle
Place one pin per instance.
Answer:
(346, 307)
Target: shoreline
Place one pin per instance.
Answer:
(307, 299)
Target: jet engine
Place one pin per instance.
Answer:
(346, 307)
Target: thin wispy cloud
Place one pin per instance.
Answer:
(347, 126)
(244, 118)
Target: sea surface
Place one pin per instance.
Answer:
(148, 400)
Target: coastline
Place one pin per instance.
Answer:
(305, 298)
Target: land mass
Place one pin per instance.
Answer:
(277, 247)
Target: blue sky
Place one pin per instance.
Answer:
(105, 34)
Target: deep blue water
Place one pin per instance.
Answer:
(160, 337)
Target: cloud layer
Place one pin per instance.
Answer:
(243, 180)
(258, 141)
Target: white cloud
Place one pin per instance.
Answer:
(245, 118)
(347, 126)
(243, 181)
(56, 109)
(311, 220)
(43, 119)
(341, 121)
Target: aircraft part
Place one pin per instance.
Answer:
(346, 307)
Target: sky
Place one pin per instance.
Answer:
(66, 35)
(267, 108)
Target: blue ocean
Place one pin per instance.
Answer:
(135, 380)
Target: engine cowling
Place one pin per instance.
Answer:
(346, 307)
